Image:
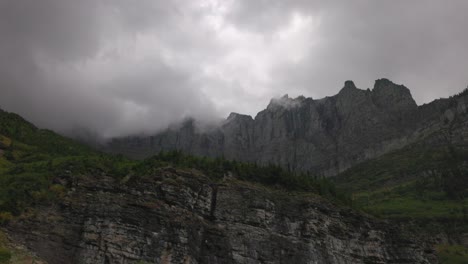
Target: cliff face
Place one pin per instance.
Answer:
(182, 217)
(325, 136)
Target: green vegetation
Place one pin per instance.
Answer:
(406, 164)
(416, 182)
(452, 254)
(424, 185)
(30, 158)
(33, 143)
(271, 175)
(5, 255)
(28, 182)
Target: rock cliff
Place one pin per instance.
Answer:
(180, 216)
(325, 136)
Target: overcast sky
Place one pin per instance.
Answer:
(130, 66)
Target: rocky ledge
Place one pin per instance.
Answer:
(178, 216)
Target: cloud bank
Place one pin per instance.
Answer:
(119, 67)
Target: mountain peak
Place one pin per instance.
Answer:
(384, 83)
(390, 95)
(234, 116)
(349, 84)
(350, 92)
(285, 102)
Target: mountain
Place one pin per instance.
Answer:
(423, 185)
(62, 202)
(424, 182)
(323, 137)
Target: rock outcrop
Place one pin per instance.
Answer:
(179, 216)
(325, 136)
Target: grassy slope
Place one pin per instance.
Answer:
(416, 182)
(423, 184)
(453, 254)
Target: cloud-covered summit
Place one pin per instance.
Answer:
(119, 67)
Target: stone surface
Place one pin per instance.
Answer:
(325, 136)
(179, 216)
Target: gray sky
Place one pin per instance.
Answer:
(127, 66)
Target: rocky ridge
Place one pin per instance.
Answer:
(324, 137)
(178, 216)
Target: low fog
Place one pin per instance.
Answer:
(118, 67)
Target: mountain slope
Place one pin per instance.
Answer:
(419, 181)
(323, 137)
(69, 204)
(424, 185)
(30, 158)
(435, 167)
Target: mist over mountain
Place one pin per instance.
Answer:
(123, 67)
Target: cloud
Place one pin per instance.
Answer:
(365, 40)
(100, 65)
(119, 67)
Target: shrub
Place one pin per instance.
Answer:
(452, 254)
(5, 255)
(58, 190)
(5, 217)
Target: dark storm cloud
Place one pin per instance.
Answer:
(67, 64)
(121, 66)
